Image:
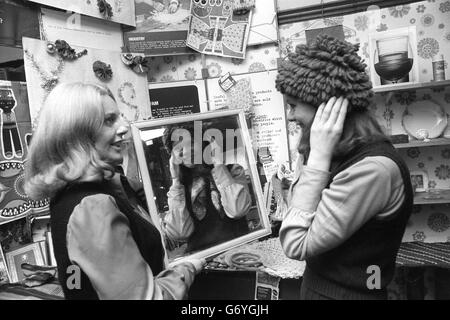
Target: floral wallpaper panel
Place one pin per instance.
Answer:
(432, 20)
(189, 67)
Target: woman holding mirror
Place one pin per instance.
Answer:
(105, 244)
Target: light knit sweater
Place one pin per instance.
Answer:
(319, 219)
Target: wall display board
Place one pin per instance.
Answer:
(120, 11)
(45, 70)
(215, 30)
(161, 28)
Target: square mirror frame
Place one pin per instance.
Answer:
(265, 229)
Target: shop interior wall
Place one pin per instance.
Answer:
(429, 223)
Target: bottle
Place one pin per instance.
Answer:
(439, 68)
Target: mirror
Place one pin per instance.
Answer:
(201, 182)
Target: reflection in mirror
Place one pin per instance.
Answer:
(200, 178)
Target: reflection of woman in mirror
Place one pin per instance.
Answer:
(208, 204)
(98, 223)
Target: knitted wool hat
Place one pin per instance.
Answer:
(326, 68)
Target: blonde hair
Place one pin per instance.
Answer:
(62, 147)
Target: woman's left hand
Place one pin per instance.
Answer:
(326, 131)
(216, 152)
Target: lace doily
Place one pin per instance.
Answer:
(272, 257)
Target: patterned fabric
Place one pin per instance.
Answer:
(416, 254)
(274, 261)
(233, 36)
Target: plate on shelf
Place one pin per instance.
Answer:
(424, 119)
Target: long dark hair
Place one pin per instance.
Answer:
(187, 174)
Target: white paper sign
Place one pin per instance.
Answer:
(269, 123)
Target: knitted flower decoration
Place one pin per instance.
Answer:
(326, 68)
(102, 70)
(138, 64)
(64, 50)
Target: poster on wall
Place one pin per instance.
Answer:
(268, 123)
(80, 30)
(215, 30)
(393, 57)
(14, 136)
(119, 11)
(177, 98)
(161, 28)
(44, 70)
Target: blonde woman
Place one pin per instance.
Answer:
(100, 229)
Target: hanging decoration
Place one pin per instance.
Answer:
(105, 9)
(64, 50)
(138, 64)
(127, 94)
(49, 80)
(102, 70)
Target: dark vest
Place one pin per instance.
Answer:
(146, 236)
(215, 228)
(341, 272)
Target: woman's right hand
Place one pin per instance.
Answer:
(174, 165)
(326, 131)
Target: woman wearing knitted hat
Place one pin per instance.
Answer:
(352, 195)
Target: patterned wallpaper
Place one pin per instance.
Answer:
(178, 68)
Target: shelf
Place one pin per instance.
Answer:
(432, 198)
(412, 86)
(419, 143)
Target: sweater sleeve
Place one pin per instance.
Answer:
(234, 191)
(178, 223)
(320, 219)
(99, 241)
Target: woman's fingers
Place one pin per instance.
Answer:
(327, 110)
(342, 113)
(335, 110)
